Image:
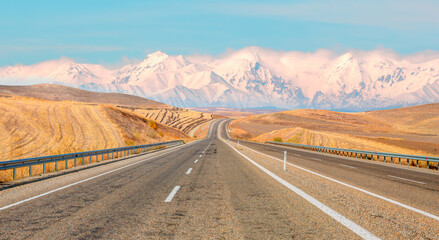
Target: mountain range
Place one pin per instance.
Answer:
(254, 77)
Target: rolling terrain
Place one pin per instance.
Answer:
(62, 93)
(34, 127)
(411, 130)
(179, 118)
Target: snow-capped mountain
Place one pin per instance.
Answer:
(253, 78)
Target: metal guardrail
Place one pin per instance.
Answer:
(364, 154)
(115, 153)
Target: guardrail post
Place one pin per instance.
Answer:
(83, 160)
(14, 173)
(75, 162)
(67, 164)
(428, 164)
(417, 163)
(44, 168)
(30, 171)
(56, 166)
(399, 159)
(97, 158)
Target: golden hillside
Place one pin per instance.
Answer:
(179, 118)
(62, 93)
(411, 130)
(31, 127)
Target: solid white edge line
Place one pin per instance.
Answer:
(406, 179)
(189, 171)
(318, 159)
(200, 155)
(85, 180)
(172, 194)
(356, 188)
(196, 161)
(344, 165)
(357, 229)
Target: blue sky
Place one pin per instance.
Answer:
(111, 32)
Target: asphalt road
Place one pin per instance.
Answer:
(208, 190)
(404, 184)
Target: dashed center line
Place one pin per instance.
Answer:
(196, 161)
(406, 179)
(172, 194)
(200, 155)
(347, 166)
(189, 171)
(317, 159)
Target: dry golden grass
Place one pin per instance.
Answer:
(422, 119)
(412, 130)
(201, 131)
(336, 140)
(178, 118)
(31, 127)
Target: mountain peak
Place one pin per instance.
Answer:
(157, 54)
(154, 58)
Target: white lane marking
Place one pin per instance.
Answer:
(406, 179)
(297, 154)
(317, 159)
(196, 161)
(172, 194)
(357, 229)
(356, 188)
(85, 180)
(200, 155)
(347, 166)
(203, 151)
(189, 171)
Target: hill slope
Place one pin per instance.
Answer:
(63, 93)
(178, 118)
(411, 130)
(32, 127)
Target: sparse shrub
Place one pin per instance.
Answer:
(153, 125)
(277, 139)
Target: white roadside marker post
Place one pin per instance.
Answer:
(285, 160)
